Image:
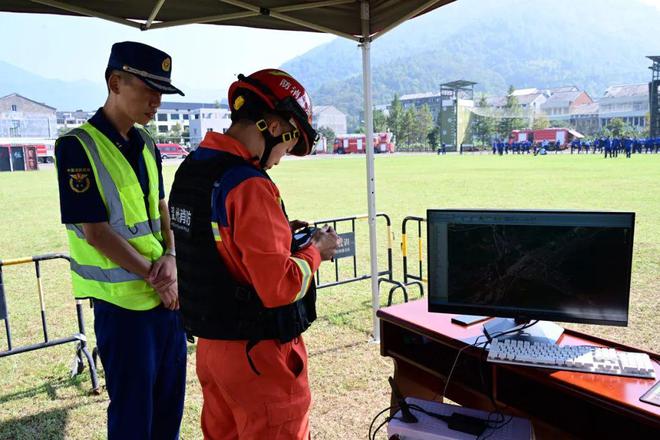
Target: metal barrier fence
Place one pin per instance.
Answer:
(79, 337)
(348, 249)
(412, 279)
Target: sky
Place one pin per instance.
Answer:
(203, 56)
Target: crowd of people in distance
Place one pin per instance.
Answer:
(612, 146)
(608, 145)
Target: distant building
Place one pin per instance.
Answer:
(23, 117)
(330, 117)
(448, 123)
(585, 119)
(418, 100)
(172, 113)
(561, 89)
(67, 120)
(532, 102)
(385, 108)
(627, 102)
(559, 105)
(529, 100)
(203, 120)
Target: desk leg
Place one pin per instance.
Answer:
(415, 382)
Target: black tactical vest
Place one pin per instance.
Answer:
(213, 304)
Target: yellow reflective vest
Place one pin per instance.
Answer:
(93, 274)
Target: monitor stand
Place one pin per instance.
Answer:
(543, 331)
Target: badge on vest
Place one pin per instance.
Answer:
(79, 180)
(181, 219)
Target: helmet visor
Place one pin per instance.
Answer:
(308, 136)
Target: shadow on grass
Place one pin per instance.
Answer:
(343, 319)
(50, 389)
(47, 425)
(335, 349)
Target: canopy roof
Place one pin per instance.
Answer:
(339, 17)
(358, 20)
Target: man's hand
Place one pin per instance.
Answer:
(162, 277)
(169, 295)
(326, 240)
(297, 224)
(163, 271)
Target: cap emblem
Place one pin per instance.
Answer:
(238, 102)
(167, 64)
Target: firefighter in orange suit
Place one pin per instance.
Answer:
(246, 288)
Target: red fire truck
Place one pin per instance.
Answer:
(45, 148)
(46, 151)
(355, 143)
(563, 135)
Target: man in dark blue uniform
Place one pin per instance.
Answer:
(616, 146)
(627, 146)
(606, 144)
(142, 345)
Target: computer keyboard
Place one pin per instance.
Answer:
(584, 358)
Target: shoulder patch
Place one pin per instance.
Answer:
(79, 179)
(232, 178)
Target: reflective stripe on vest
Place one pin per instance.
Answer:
(126, 232)
(93, 274)
(116, 275)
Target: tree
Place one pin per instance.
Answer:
(423, 124)
(380, 121)
(483, 127)
(175, 133)
(395, 119)
(408, 126)
(647, 125)
(512, 116)
(434, 137)
(541, 121)
(151, 128)
(328, 133)
(617, 127)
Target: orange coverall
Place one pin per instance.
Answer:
(255, 246)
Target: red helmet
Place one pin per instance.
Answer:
(283, 95)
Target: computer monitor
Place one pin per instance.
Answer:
(526, 265)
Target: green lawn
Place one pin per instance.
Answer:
(348, 375)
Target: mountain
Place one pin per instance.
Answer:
(72, 95)
(588, 43)
(63, 95)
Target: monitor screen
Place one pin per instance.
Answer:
(550, 265)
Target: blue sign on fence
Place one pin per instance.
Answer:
(347, 248)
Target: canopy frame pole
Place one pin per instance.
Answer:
(303, 6)
(273, 13)
(88, 12)
(406, 17)
(153, 15)
(371, 179)
(202, 20)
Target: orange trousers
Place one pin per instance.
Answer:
(239, 404)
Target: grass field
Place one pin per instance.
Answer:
(348, 375)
